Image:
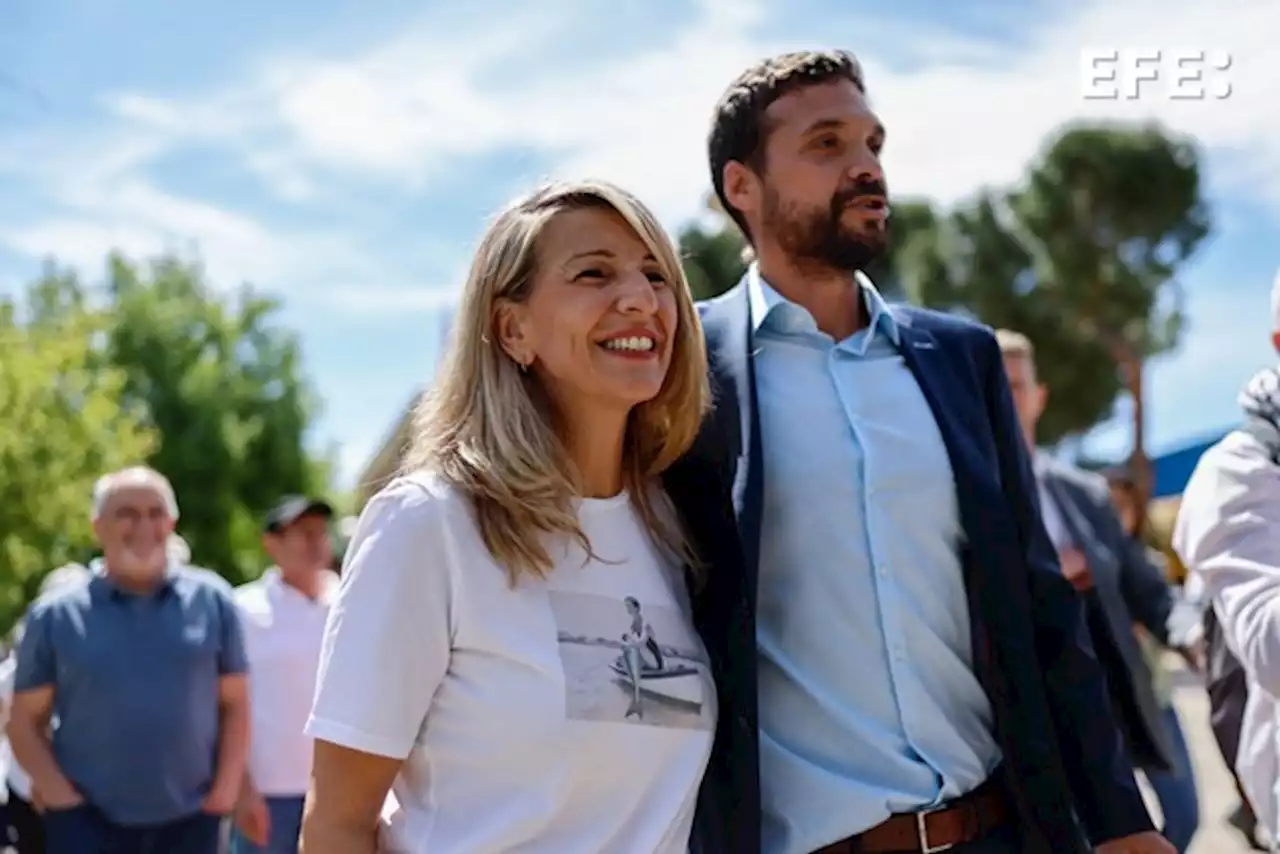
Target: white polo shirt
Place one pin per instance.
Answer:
(283, 632)
(12, 772)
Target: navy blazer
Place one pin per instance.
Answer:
(1063, 753)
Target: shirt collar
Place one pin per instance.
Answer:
(328, 586)
(763, 299)
(99, 569)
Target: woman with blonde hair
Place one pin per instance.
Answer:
(472, 664)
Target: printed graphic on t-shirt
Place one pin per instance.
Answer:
(627, 661)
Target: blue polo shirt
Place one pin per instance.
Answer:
(135, 678)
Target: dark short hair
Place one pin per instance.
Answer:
(738, 130)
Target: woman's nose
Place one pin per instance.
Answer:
(638, 295)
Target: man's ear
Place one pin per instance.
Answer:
(1042, 398)
(742, 187)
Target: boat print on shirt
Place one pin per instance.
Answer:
(627, 661)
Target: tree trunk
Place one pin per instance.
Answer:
(1131, 367)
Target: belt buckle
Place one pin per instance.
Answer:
(922, 832)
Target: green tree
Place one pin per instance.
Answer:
(1083, 258)
(714, 258)
(221, 381)
(975, 262)
(63, 427)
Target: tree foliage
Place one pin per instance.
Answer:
(1083, 257)
(219, 382)
(64, 425)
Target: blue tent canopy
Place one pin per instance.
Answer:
(1173, 469)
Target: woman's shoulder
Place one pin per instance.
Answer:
(422, 501)
(422, 492)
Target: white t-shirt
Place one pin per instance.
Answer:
(14, 775)
(514, 708)
(283, 630)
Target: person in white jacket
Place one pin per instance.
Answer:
(1228, 535)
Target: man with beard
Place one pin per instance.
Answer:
(924, 677)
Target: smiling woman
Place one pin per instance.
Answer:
(483, 660)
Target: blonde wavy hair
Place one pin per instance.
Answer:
(487, 428)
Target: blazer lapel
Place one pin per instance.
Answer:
(727, 323)
(922, 355)
(920, 352)
(1073, 518)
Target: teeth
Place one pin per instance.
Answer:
(638, 344)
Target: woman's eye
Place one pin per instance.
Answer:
(657, 278)
(591, 273)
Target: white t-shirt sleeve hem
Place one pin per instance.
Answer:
(350, 737)
(388, 639)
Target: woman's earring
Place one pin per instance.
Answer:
(524, 367)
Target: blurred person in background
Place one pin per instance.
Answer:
(1228, 535)
(1175, 786)
(1121, 587)
(142, 667)
(283, 614)
(471, 662)
(24, 825)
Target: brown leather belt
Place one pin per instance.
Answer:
(967, 818)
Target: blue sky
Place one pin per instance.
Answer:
(345, 156)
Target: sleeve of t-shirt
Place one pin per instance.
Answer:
(37, 664)
(8, 667)
(232, 658)
(388, 638)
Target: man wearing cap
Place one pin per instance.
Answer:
(141, 667)
(284, 614)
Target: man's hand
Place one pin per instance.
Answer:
(253, 818)
(1194, 655)
(1140, 843)
(1075, 568)
(221, 799)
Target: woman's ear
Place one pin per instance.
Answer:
(509, 327)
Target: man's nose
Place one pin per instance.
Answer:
(865, 168)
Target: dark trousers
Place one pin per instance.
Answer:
(84, 830)
(25, 826)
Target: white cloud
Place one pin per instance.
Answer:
(967, 113)
(964, 113)
(1228, 339)
(953, 127)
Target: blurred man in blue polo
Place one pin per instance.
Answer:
(283, 614)
(23, 825)
(141, 669)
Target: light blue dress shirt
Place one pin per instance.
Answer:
(868, 700)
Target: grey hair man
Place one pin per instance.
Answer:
(142, 663)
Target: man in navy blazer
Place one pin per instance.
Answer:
(902, 665)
